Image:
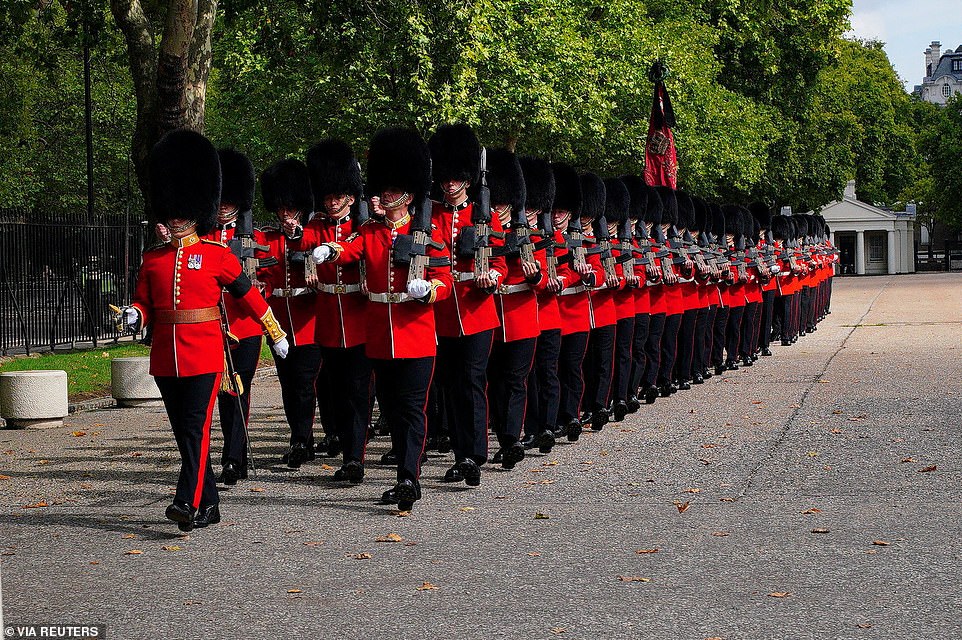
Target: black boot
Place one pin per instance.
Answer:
(619, 410)
(546, 440)
(633, 404)
(651, 394)
(599, 419)
(574, 430)
(298, 454)
(406, 492)
(513, 454)
(352, 472)
(181, 513)
(470, 471)
(209, 514)
(230, 474)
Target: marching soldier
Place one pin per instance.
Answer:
(657, 296)
(178, 290)
(645, 272)
(467, 319)
(286, 188)
(237, 198)
(770, 286)
(345, 375)
(405, 270)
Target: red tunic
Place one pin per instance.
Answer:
(601, 298)
(189, 276)
(394, 329)
(242, 324)
(549, 315)
(573, 302)
(470, 310)
(340, 305)
(295, 314)
(518, 310)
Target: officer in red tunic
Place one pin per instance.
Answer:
(237, 198)
(645, 271)
(466, 320)
(515, 298)
(345, 377)
(286, 188)
(399, 322)
(178, 290)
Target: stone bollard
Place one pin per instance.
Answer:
(131, 383)
(33, 398)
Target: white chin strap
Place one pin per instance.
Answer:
(184, 227)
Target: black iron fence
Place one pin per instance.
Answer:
(59, 273)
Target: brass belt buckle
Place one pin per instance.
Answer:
(340, 288)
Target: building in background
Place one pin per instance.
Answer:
(943, 74)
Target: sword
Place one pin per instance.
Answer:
(235, 384)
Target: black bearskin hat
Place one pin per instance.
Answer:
(669, 214)
(733, 220)
(237, 179)
(700, 220)
(399, 158)
(184, 175)
(637, 196)
(567, 193)
(686, 210)
(286, 184)
(781, 228)
(505, 179)
(617, 200)
(334, 170)
(455, 154)
(716, 221)
(655, 208)
(593, 190)
(762, 214)
(539, 183)
(755, 229)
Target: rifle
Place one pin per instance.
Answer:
(575, 240)
(695, 254)
(517, 240)
(233, 385)
(548, 244)
(243, 246)
(667, 273)
(626, 258)
(604, 242)
(412, 249)
(647, 259)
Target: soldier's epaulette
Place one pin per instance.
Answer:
(219, 244)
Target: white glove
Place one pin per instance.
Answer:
(418, 288)
(281, 347)
(494, 275)
(131, 316)
(321, 254)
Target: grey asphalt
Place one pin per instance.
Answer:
(832, 434)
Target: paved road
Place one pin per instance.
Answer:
(832, 434)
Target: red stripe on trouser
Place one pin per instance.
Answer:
(424, 410)
(203, 461)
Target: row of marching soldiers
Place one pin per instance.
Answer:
(469, 289)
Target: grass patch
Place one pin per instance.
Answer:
(88, 370)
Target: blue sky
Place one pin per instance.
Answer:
(907, 27)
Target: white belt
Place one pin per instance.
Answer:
(506, 289)
(567, 291)
(389, 297)
(339, 289)
(292, 292)
(462, 276)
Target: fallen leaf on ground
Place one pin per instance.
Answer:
(838, 412)
(129, 536)
(3, 477)
(427, 586)
(908, 460)
(633, 579)
(94, 562)
(587, 462)
(465, 508)
(136, 454)
(294, 591)
(692, 490)
(326, 467)
(171, 547)
(541, 516)
(779, 594)
(257, 489)
(362, 556)
(881, 543)
(682, 506)
(836, 430)
(927, 469)
(709, 445)
(550, 463)
(727, 499)
(133, 552)
(43, 462)
(391, 537)
(655, 550)
(811, 511)
(820, 530)
(36, 505)
(534, 554)
(77, 434)
(864, 626)
(812, 454)
(720, 534)
(403, 514)
(558, 629)
(704, 461)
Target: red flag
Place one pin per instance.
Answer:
(661, 158)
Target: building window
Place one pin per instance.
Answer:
(956, 66)
(876, 248)
(946, 91)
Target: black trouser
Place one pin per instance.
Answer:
(402, 393)
(806, 305)
(570, 360)
(235, 410)
(638, 357)
(768, 309)
(733, 332)
(347, 375)
(297, 374)
(624, 341)
(698, 359)
(747, 342)
(669, 348)
(709, 336)
(508, 371)
(544, 390)
(656, 327)
(686, 345)
(190, 405)
(718, 335)
(597, 367)
(462, 380)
